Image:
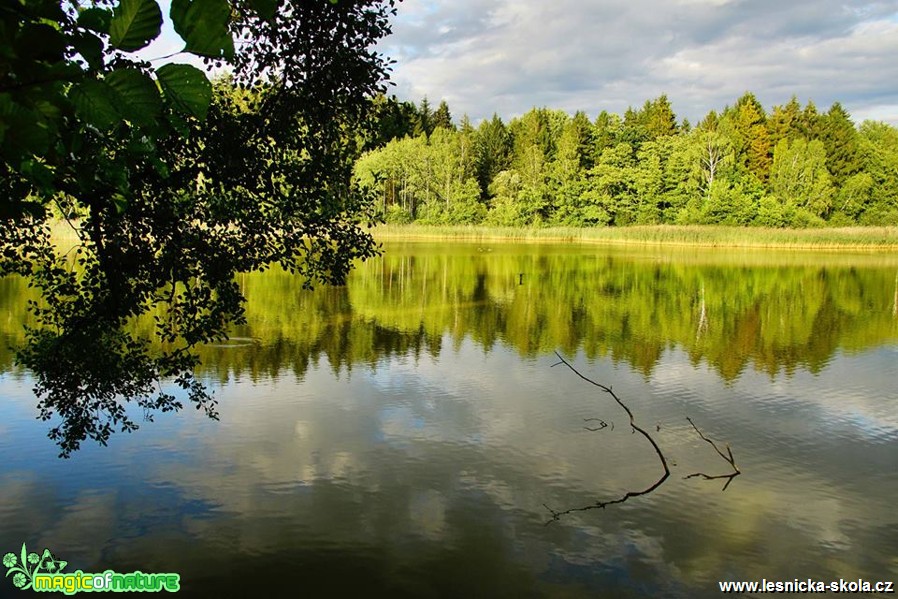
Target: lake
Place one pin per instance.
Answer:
(411, 434)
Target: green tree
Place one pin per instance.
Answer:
(569, 152)
(442, 117)
(565, 172)
(799, 176)
(680, 174)
(746, 126)
(633, 128)
(582, 132)
(492, 151)
(455, 197)
(714, 157)
(655, 119)
(506, 210)
(660, 119)
(839, 138)
(706, 186)
(853, 199)
(392, 119)
(183, 186)
(606, 133)
(648, 182)
(878, 143)
(785, 122)
(710, 122)
(425, 123)
(611, 185)
(809, 124)
(532, 134)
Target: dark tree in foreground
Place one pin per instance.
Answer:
(180, 188)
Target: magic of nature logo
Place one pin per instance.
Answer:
(44, 573)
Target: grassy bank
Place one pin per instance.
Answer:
(859, 238)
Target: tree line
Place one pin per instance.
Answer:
(791, 167)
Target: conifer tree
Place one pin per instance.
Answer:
(442, 117)
(606, 133)
(839, 137)
(749, 127)
(785, 122)
(809, 123)
(710, 122)
(492, 149)
(425, 118)
(659, 118)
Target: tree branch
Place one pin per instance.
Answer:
(728, 457)
(629, 494)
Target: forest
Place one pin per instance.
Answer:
(793, 166)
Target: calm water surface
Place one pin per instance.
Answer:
(404, 435)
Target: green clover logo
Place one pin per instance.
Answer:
(24, 567)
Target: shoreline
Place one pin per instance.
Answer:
(868, 239)
(879, 239)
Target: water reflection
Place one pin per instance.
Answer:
(401, 435)
(729, 310)
(602, 302)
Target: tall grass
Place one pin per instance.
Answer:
(857, 238)
(867, 238)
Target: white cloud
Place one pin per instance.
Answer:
(507, 56)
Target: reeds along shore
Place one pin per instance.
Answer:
(855, 238)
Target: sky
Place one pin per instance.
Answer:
(507, 56)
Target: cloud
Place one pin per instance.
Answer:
(507, 57)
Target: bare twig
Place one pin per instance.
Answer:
(636, 429)
(728, 457)
(602, 424)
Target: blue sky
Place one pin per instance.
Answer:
(507, 56)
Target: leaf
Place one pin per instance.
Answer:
(39, 42)
(22, 131)
(179, 123)
(95, 19)
(186, 87)
(134, 24)
(267, 9)
(120, 202)
(90, 47)
(140, 100)
(94, 102)
(38, 173)
(203, 24)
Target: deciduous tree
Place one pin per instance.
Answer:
(181, 187)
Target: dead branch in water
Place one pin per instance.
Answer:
(728, 457)
(636, 429)
(602, 424)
